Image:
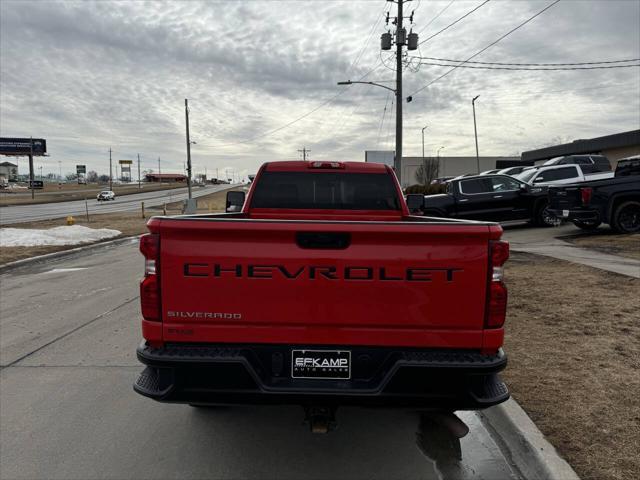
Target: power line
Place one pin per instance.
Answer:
(530, 64)
(487, 47)
(366, 43)
(436, 17)
(301, 117)
(389, 127)
(453, 23)
(527, 69)
(384, 113)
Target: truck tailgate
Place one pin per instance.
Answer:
(564, 198)
(341, 283)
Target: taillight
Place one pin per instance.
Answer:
(497, 291)
(150, 284)
(585, 195)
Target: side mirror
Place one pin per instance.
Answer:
(415, 202)
(235, 201)
(523, 187)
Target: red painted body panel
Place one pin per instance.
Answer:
(404, 305)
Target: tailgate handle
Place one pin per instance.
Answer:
(323, 240)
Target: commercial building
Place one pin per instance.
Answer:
(9, 171)
(614, 147)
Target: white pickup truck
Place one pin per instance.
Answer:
(559, 175)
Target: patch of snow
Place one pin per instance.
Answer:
(65, 235)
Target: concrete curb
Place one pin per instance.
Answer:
(525, 445)
(7, 267)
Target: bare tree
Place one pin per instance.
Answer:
(427, 171)
(92, 176)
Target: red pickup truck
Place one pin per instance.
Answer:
(321, 289)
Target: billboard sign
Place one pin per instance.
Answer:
(81, 169)
(22, 146)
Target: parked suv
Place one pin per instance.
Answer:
(559, 174)
(106, 195)
(588, 163)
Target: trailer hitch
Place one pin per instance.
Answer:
(320, 419)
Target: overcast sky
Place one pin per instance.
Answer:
(89, 76)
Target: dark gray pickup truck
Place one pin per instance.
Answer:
(614, 201)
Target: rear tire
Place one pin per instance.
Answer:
(626, 218)
(544, 218)
(587, 225)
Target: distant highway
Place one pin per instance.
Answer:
(30, 213)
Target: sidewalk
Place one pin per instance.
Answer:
(544, 242)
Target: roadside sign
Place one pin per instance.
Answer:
(36, 184)
(22, 146)
(81, 169)
(125, 162)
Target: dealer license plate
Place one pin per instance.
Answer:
(326, 364)
(565, 213)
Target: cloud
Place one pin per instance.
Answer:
(92, 75)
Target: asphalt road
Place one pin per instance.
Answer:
(67, 350)
(30, 213)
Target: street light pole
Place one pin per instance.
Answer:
(186, 116)
(475, 130)
(110, 172)
(438, 154)
(424, 163)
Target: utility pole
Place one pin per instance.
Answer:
(400, 40)
(186, 116)
(304, 152)
(33, 193)
(139, 184)
(110, 172)
(159, 171)
(40, 167)
(424, 162)
(475, 130)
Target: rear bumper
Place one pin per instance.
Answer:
(584, 215)
(260, 374)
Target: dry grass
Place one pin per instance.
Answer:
(129, 223)
(69, 191)
(624, 245)
(573, 339)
